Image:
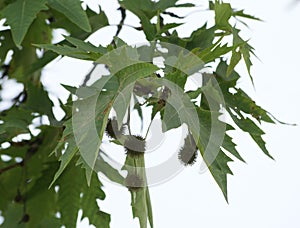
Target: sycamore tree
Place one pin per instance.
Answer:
(49, 168)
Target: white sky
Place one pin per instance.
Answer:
(262, 193)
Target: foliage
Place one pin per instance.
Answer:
(45, 179)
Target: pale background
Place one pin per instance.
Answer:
(262, 193)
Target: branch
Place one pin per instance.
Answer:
(88, 76)
(120, 25)
(33, 147)
(123, 17)
(19, 164)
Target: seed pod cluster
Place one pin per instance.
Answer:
(112, 129)
(188, 152)
(135, 145)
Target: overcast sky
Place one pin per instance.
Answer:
(262, 193)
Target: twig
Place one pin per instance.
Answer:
(119, 28)
(88, 76)
(128, 120)
(33, 147)
(19, 164)
(120, 25)
(123, 17)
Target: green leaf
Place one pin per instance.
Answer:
(80, 50)
(240, 101)
(165, 4)
(13, 215)
(20, 15)
(73, 11)
(202, 38)
(114, 85)
(229, 145)
(71, 89)
(88, 132)
(149, 207)
(73, 52)
(16, 121)
(66, 157)
(37, 96)
(169, 26)
(223, 13)
(213, 156)
(239, 104)
(110, 172)
(193, 94)
(140, 197)
(96, 21)
(178, 108)
(247, 125)
(70, 185)
(9, 183)
(138, 108)
(50, 223)
(174, 39)
(177, 77)
(89, 204)
(219, 170)
(226, 81)
(127, 78)
(245, 49)
(235, 59)
(148, 27)
(85, 46)
(40, 201)
(138, 7)
(240, 13)
(140, 207)
(171, 118)
(214, 52)
(6, 44)
(75, 194)
(22, 58)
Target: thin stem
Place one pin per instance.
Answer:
(123, 17)
(120, 25)
(158, 25)
(148, 129)
(127, 25)
(88, 76)
(128, 119)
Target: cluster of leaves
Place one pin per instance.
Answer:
(43, 179)
(26, 167)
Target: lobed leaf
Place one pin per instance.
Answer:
(73, 11)
(223, 13)
(20, 15)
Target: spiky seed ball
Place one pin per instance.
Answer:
(133, 182)
(187, 157)
(135, 145)
(112, 129)
(188, 153)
